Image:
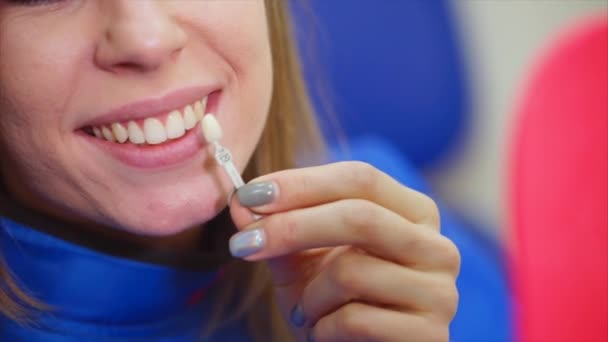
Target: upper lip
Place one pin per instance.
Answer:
(152, 106)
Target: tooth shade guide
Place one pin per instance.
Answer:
(212, 131)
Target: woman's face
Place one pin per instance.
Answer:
(119, 68)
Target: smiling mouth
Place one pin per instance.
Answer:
(152, 130)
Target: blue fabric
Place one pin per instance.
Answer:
(484, 311)
(98, 297)
(390, 68)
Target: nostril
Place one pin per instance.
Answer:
(126, 66)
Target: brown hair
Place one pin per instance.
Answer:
(291, 130)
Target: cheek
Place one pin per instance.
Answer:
(48, 67)
(33, 108)
(255, 90)
(245, 46)
(28, 147)
(241, 45)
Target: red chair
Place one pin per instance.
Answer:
(558, 192)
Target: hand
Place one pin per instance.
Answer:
(354, 255)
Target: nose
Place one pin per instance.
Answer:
(138, 36)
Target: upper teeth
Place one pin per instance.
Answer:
(153, 130)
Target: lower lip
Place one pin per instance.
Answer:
(168, 154)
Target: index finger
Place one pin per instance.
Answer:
(306, 187)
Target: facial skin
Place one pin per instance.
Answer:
(66, 63)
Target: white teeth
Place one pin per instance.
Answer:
(175, 125)
(204, 104)
(189, 118)
(107, 134)
(199, 110)
(154, 131)
(97, 132)
(136, 135)
(120, 132)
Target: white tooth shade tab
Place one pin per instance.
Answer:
(136, 135)
(212, 131)
(154, 131)
(120, 132)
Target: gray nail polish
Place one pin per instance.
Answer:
(247, 242)
(297, 317)
(256, 194)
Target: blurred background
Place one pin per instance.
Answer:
(499, 110)
(502, 42)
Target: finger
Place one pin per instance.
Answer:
(363, 322)
(290, 189)
(355, 276)
(358, 223)
(241, 216)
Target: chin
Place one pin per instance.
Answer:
(166, 218)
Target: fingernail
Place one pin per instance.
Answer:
(297, 317)
(311, 336)
(248, 242)
(256, 194)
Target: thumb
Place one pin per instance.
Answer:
(241, 216)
